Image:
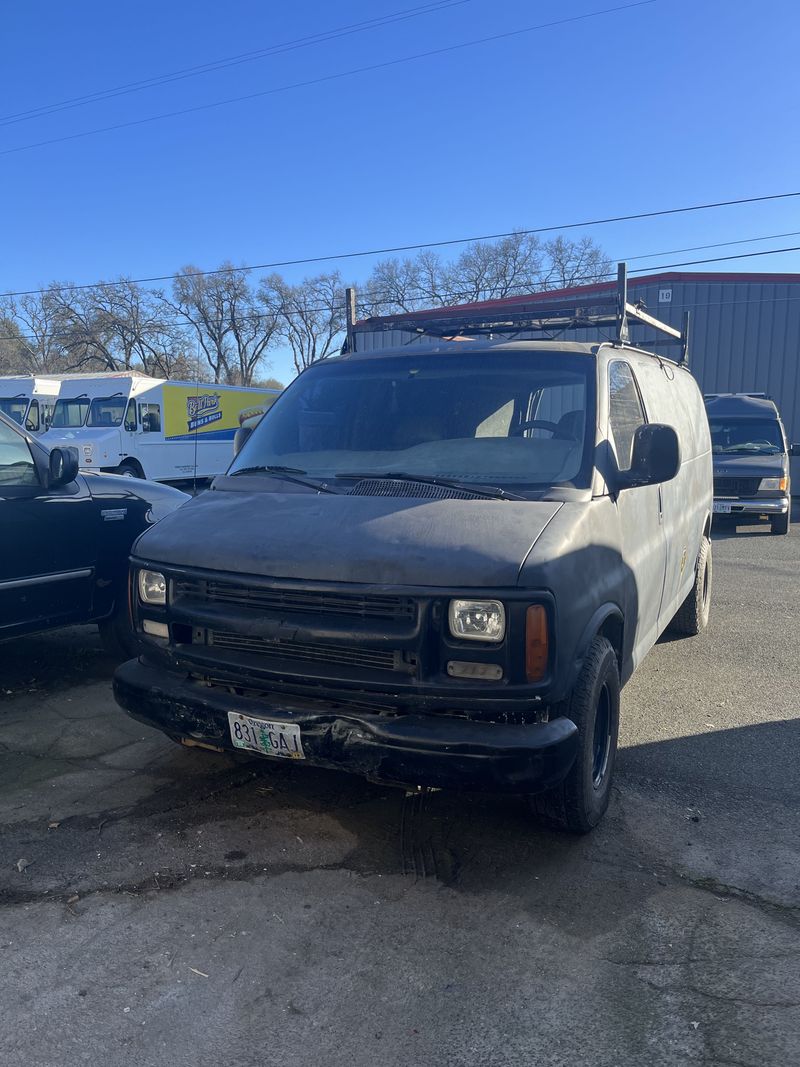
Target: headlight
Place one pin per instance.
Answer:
(152, 587)
(477, 620)
(775, 484)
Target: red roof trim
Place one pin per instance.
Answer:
(697, 277)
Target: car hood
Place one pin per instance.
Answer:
(341, 538)
(749, 466)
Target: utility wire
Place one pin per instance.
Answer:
(327, 77)
(412, 248)
(377, 301)
(230, 61)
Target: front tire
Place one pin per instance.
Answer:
(580, 801)
(691, 617)
(130, 469)
(779, 524)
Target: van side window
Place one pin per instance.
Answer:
(625, 412)
(150, 418)
(32, 420)
(130, 417)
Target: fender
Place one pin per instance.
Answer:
(599, 620)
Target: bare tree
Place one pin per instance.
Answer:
(490, 270)
(484, 270)
(571, 263)
(233, 327)
(311, 315)
(41, 330)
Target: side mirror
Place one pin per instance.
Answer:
(63, 467)
(794, 450)
(240, 437)
(656, 457)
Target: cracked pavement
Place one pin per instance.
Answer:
(181, 907)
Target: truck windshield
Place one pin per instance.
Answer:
(70, 413)
(14, 407)
(754, 437)
(107, 411)
(505, 417)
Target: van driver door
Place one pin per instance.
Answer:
(641, 526)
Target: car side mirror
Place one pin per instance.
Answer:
(794, 450)
(63, 467)
(656, 457)
(240, 437)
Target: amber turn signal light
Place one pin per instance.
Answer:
(536, 643)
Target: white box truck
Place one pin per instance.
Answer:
(29, 399)
(128, 423)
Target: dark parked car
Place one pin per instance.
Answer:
(66, 537)
(436, 566)
(752, 477)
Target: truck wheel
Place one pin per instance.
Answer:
(691, 618)
(130, 470)
(779, 524)
(117, 635)
(579, 802)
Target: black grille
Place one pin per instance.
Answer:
(283, 600)
(345, 655)
(399, 487)
(736, 486)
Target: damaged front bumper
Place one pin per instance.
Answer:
(441, 751)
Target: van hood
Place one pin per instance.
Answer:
(750, 466)
(377, 540)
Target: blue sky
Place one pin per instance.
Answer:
(672, 103)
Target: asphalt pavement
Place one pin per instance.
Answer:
(160, 906)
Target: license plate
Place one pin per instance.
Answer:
(722, 509)
(269, 738)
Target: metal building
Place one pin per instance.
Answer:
(744, 333)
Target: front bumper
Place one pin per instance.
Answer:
(442, 751)
(768, 506)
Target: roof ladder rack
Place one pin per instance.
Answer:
(552, 318)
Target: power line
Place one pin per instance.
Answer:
(410, 248)
(230, 61)
(327, 77)
(377, 301)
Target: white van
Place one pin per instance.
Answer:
(128, 423)
(28, 399)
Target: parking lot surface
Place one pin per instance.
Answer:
(162, 906)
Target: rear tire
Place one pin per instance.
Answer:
(779, 524)
(580, 801)
(692, 616)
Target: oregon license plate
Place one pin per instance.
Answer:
(722, 508)
(269, 738)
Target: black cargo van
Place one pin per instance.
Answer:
(751, 459)
(436, 567)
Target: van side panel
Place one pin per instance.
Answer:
(672, 397)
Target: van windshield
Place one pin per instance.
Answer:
(754, 437)
(14, 407)
(107, 411)
(512, 418)
(70, 413)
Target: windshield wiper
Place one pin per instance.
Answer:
(491, 492)
(288, 475)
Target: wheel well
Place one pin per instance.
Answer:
(612, 630)
(129, 461)
(707, 528)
